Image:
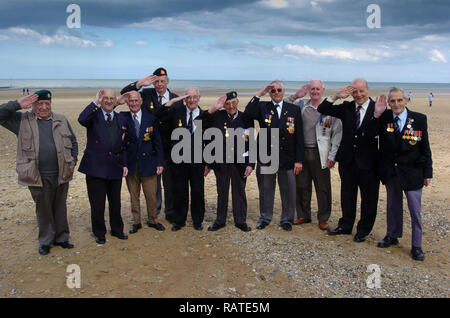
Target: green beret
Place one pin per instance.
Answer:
(160, 72)
(44, 94)
(231, 95)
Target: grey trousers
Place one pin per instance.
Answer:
(394, 213)
(266, 186)
(51, 211)
(226, 173)
(312, 172)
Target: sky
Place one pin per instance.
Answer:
(298, 40)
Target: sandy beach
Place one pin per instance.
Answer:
(228, 263)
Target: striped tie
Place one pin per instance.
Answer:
(396, 127)
(358, 117)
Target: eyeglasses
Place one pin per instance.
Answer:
(279, 90)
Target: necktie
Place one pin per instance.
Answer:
(137, 126)
(108, 118)
(160, 97)
(190, 123)
(396, 127)
(276, 108)
(358, 117)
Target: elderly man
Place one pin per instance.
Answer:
(406, 165)
(322, 138)
(189, 172)
(104, 162)
(235, 172)
(153, 99)
(357, 157)
(47, 151)
(286, 119)
(144, 160)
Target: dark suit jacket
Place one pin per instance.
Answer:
(151, 104)
(175, 117)
(144, 150)
(290, 143)
(401, 156)
(102, 159)
(358, 146)
(220, 120)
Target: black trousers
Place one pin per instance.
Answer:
(186, 175)
(226, 173)
(368, 183)
(98, 190)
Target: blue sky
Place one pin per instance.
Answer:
(246, 40)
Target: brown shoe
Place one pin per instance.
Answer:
(302, 221)
(323, 225)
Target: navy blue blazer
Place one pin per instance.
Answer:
(102, 159)
(144, 150)
(406, 155)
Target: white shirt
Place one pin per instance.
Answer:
(195, 113)
(165, 97)
(362, 111)
(138, 116)
(105, 113)
(278, 108)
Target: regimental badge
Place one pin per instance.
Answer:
(291, 125)
(180, 124)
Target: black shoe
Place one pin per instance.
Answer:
(198, 227)
(176, 227)
(417, 253)
(135, 228)
(359, 238)
(339, 230)
(65, 244)
(387, 241)
(261, 225)
(157, 226)
(215, 227)
(286, 226)
(121, 236)
(44, 249)
(243, 227)
(100, 240)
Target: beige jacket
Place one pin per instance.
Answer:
(28, 150)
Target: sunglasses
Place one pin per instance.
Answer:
(273, 90)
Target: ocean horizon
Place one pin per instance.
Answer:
(248, 87)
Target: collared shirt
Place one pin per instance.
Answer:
(402, 119)
(234, 116)
(279, 108)
(195, 113)
(105, 114)
(165, 97)
(138, 116)
(363, 109)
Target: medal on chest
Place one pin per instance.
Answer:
(290, 124)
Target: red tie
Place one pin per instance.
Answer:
(160, 99)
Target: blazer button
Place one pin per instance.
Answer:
(110, 153)
(143, 154)
(354, 146)
(395, 164)
(356, 136)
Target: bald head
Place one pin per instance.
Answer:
(361, 91)
(316, 91)
(109, 100)
(134, 102)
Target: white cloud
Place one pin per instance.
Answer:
(277, 4)
(437, 56)
(3, 37)
(359, 54)
(59, 38)
(108, 43)
(141, 43)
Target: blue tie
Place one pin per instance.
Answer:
(137, 126)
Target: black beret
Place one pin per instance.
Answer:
(44, 94)
(231, 95)
(160, 72)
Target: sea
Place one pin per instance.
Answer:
(244, 87)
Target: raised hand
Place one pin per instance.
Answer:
(302, 91)
(219, 103)
(174, 100)
(123, 99)
(265, 90)
(147, 81)
(27, 101)
(345, 92)
(380, 106)
(99, 97)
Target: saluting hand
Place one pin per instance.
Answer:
(27, 101)
(302, 91)
(265, 90)
(219, 104)
(380, 106)
(174, 100)
(123, 99)
(99, 97)
(344, 92)
(147, 81)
